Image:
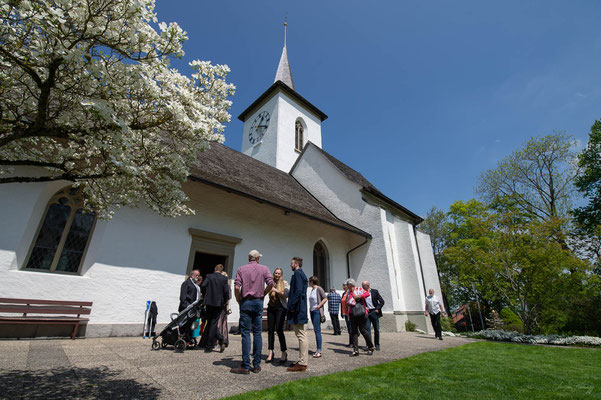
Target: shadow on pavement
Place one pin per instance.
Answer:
(81, 383)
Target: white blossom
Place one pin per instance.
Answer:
(88, 96)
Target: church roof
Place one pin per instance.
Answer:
(271, 91)
(283, 73)
(235, 172)
(359, 179)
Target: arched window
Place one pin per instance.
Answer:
(299, 136)
(62, 239)
(321, 265)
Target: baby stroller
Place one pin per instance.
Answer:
(178, 333)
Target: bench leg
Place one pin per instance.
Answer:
(74, 330)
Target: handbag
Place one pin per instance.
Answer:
(357, 309)
(322, 319)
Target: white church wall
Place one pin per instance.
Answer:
(266, 149)
(288, 112)
(343, 197)
(139, 256)
(429, 263)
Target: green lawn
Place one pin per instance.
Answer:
(481, 370)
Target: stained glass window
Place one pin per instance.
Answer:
(64, 234)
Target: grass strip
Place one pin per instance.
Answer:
(481, 370)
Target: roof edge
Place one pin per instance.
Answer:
(289, 91)
(261, 200)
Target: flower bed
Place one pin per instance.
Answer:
(517, 337)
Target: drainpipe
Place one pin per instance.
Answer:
(348, 257)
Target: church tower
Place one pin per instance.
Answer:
(278, 125)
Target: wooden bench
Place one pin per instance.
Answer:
(54, 312)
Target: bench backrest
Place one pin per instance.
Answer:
(37, 306)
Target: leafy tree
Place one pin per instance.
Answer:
(536, 179)
(88, 97)
(588, 183)
(511, 260)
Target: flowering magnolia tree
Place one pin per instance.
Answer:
(87, 97)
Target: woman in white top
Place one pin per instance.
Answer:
(317, 299)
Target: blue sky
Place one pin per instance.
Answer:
(422, 96)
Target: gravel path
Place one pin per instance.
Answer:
(127, 368)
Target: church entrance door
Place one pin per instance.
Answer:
(206, 263)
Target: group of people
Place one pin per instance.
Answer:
(360, 307)
(288, 302)
(215, 293)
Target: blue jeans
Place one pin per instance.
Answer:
(251, 313)
(372, 318)
(316, 320)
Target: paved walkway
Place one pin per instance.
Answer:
(127, 368)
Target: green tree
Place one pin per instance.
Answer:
(588, 183)
(511, 260)
(537, 178)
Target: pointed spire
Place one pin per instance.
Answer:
(283, 73)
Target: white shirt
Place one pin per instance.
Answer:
(369, 303)
(313, 300)
(197, 288)
(433, 304)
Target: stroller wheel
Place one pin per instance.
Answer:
(192, 344)
(163, 345)
(156, 345)
(180, 346)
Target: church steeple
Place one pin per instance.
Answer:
(283, 73)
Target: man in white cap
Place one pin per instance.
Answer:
(253, 281)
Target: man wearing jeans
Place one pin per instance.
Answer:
(253, 281)
(374, 304)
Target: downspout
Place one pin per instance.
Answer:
(419, 257)
(348, 257)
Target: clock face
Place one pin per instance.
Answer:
(258, 127)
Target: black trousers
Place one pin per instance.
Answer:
(373, 320)
(358, 325)
(152, 321)
(435, 319)
(276, 318)
(211, 331)
(335, 324)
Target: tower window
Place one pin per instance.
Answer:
(299, 137)
(63, 236)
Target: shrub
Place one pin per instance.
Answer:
(505, 336)
(447, 324)
(410, 326)
(511, 322)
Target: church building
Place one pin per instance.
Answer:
(283, 195)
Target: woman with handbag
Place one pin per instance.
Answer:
(317, 299)
(276, 315)
(357, 311)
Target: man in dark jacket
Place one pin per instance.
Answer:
(189, 291)
(215, 294)
(297, 313)
(374, 304)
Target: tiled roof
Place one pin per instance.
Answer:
(236, 172)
